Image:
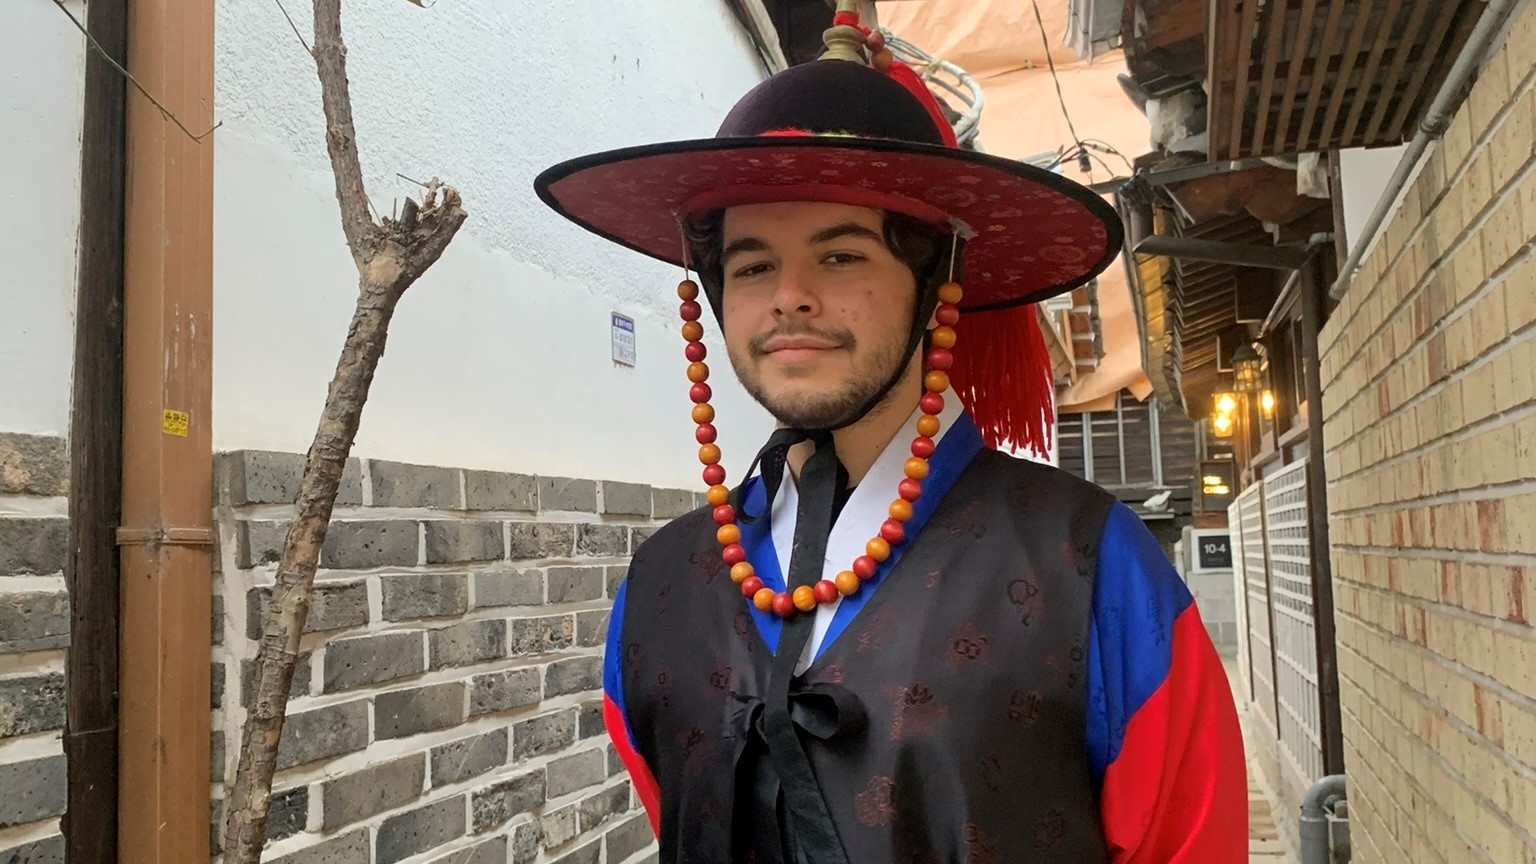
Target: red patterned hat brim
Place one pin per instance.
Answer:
(1033, 234)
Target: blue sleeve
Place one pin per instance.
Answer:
(1137, 596)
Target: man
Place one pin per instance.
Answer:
(881, 647)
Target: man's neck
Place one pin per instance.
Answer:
(860, 444)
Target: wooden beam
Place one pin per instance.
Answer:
(1315, 91)
(1390, 81)
(1434, 52)
(1313, 285)
(1239, 105)
(1274, 14)
(96, 455)
(1299, 47)
(1341, 83)
(1368, 74)
(167, 533)
(1239, 254)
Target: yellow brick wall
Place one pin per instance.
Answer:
(1429, 380)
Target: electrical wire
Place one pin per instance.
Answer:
(1045, 41)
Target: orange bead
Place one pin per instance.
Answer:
(927, 425)
(728, 534)
(742, 572)
(949, 292)
(698, 373)
(943, 337)
(877, 548)
(763, 599)
(901, 510)
(805, 598)
(709, 454)
(703, 413)
(882, 59)
(689, 290)
(916, 468)
(847, 583)
(718, 496)
(693, 331)
(936, 381)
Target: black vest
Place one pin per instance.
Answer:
(968, 663)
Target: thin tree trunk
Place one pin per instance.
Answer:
(390, 256)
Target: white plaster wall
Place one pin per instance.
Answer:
(42, 73)
(499, 357)
(1363, 176)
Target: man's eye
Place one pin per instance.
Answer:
(750, 270)
(843, 258)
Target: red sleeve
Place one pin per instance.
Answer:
(1177, 793)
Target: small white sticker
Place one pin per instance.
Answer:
(623, 340)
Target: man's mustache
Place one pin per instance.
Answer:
(835, 338)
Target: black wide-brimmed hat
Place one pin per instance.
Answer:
(847, 133)
(870, 133)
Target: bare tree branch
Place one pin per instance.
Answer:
(390, 256)
(340, 134)
(96, 46)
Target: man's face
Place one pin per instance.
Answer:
(817, 309)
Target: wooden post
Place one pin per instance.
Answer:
(1313, 286)
(166, 534)
(96, 464)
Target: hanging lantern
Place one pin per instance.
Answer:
(1267, 404)
(1221, 425)
(1247, 370)
(1225, 403)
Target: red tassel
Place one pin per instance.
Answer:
(1002, 374)
(907, 77)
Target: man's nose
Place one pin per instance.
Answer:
(795, 294)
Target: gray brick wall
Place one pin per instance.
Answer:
(34, 631)
(448, 707)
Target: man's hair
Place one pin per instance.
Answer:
(924, 248)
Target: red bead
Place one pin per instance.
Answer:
(706, 433)
(932, 403)
(783, 605)
(725, 513)
(893, 532)
(938, 358)
(734, 554)
(695, 351)
(875, 40)
(947, 314)
(714, 474)
(751, 585)
(910, 489)
(864, 567)
(699, 393)
(922, 446)
(690, 310)
(826, 591)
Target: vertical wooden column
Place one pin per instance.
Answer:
(1314, 286)
(166, 534)
(96, 451)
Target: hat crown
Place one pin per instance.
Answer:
(838, 99)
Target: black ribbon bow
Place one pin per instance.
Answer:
(805, 826)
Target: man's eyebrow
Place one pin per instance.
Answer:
(743, 244)
(846, 229)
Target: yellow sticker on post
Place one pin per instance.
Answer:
(174, 422)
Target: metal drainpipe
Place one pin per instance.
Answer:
(1314, 818)
(1436, 119)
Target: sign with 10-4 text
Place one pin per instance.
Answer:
(1213, 550)
(623, 340)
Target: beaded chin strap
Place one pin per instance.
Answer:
(936, 365)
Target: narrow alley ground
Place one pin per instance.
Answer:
(1264, 843)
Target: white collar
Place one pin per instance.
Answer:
(859, 520)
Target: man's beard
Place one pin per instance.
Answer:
(833, 408)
